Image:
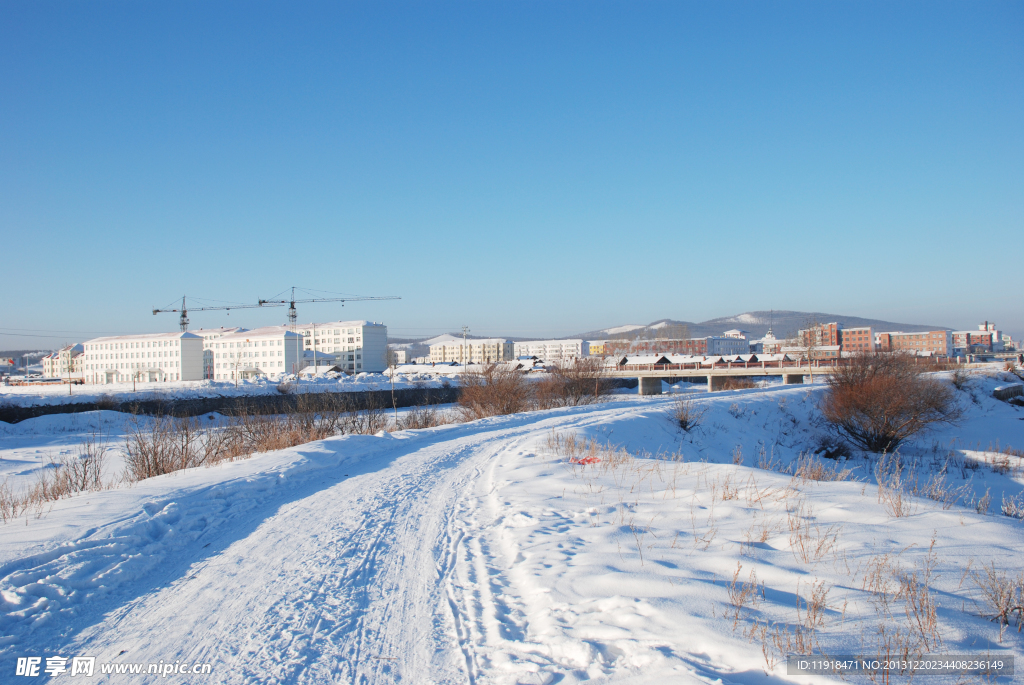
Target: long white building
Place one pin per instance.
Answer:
(267, 351)
(553, 350)
(475, 351)
(151, 357)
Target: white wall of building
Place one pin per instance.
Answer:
(476, 351)
(726, 346)
(553, 350)
(152, 357)
(268, 351)
(354, 346)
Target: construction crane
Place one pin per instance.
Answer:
(293, 315)
(183, 319)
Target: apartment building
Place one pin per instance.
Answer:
(939, 343)
(150, 357)
(860, 340)
(353, 346)
(267, 351)
(552, 350)
(726, 345)
(987, 338)
(475, 351)
(63, 363)
(597, 348)
(209, 335)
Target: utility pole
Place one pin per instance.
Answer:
(465, 350)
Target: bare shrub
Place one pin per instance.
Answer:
(163, 445)
(961, 377)
(495, 391)
(688, 414)
(423, 417)
(286, 388)
(878, 401)
(573, 383)
(107, 402)
(1002, 596)
(738, 383)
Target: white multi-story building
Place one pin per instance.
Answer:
(475, 351)
(726, 346)
(64, 363)
(209, 335)
(151, 357)
(553, 350)
(352, 346)
(267, 351)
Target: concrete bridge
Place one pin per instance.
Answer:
(651, 375)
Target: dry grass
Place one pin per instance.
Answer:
(810, 467)
(781, 639)
(743, 593)
(688, 414)
(1013, 506)
(1002, 596)
(893, 490)
(809, 542)
(425, 417)
(64, 476)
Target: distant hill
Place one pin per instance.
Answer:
(782, 323)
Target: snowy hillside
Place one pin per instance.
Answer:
(590, 544)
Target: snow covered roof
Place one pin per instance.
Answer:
(264, 332)
(645, 359)
(337, 324)
(222, 330)
(144, 336)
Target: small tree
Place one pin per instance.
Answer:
(878, 401)
(496, 390)
(575, 382)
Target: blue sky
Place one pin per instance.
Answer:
(529, 168)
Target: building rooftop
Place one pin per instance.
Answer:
(145, 336)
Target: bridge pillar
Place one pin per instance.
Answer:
(649, 386)
(716, 383)
(792, 379)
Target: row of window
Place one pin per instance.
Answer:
(133, 355)
(132, 345)
(125, 365)
(247, 343)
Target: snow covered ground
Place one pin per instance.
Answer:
(475, 553)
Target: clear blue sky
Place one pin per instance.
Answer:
(529, 168)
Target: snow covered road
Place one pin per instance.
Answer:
(360, 573)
